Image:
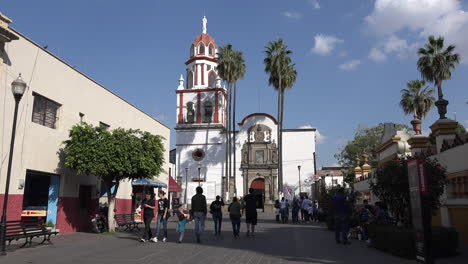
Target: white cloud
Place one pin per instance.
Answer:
(343, 54)
(349, 65)
(319, 138)
(324, 44)
(377, 55)
(424, 18)
(315, 4)
(293, 15)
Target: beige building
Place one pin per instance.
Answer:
(58, 96)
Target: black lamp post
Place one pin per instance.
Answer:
(199, 178)
(18, 87)
(186, 183)
(299, 169)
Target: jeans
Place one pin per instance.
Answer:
(147, 234)
(236, 221)
(162, 221)
(181, 234)
(218, 219)
(306, 215)
(341, 228)
(295, 215)
(199, 222)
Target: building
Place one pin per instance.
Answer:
(332, 176)
(201, 137)
(58, 97)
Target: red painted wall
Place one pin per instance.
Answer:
(70, 218)
(15, 206)
(123, 206)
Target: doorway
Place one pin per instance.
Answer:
(258, 185)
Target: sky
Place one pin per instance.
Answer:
(352, 57)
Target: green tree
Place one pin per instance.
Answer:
(417, 99)
(365, 141)
(436, 65)
(113, 156)
(282, 76)
(231, 68)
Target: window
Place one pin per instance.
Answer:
(212, 80)
(259, 156)
(211, 49)
(104, 125)
(334, 182)
(208, 112)
(191, 50)
(44, 111)
(201, 49)
(190, 80)
(208, 67)
(190, 113)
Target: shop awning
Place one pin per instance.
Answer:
(150, 183)
(173, 186)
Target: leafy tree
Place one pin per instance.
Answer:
(282, 76)
(113, 156)
(436, 64)
(366, 140)
(417, 99)
(231, 68)
(390, 184)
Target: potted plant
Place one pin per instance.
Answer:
(417, 99)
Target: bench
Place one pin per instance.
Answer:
(16, 230)
(127, 221)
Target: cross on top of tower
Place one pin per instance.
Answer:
(205, 21)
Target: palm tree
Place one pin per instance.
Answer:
(436, 65)
(417, 99)
(231, 68)
(282, 76)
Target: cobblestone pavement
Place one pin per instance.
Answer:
(273, 243)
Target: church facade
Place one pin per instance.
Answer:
(201, 139)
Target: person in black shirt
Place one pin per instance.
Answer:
(199, 212)
(215, 210)
(250, 203)
(163, 215)
(148, 206)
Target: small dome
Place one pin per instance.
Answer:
(206, 39)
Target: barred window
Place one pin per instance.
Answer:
(45, 111)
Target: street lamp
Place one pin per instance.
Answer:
(18, 87)
(186, 183)
(199, 178)
(299, 169)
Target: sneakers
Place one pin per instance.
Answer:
(142, 240)
(154, 240)
(164, 239)
(179, 242)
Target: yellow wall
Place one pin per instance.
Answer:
(459, 218)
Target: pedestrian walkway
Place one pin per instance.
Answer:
(273, 243)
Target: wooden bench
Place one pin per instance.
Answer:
(16, 230)
(127, 221)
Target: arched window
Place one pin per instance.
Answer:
(208, 112)
(211, 49)
(191, 51)
(212, 80)
(190, 113)
(190, 80)
(201, 49)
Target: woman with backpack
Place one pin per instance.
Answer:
(215, 210)
(235, 215)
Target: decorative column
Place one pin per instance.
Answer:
(196, 74)
(202, 73)
(180, 117)
(216, 113)
(198, 108)
(418, 144)
(443, 129)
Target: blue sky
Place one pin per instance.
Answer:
(353, 57)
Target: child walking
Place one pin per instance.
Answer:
(183, 220)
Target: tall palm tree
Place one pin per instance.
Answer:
(282, 76)
(436, 65)
(417, 99)
(231, 68)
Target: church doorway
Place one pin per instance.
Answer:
(258, 185)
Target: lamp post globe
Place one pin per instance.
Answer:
(299, 169)
(18, 87)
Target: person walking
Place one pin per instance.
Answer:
(295, 210)
(277, 210)
(183, 220)
(163, 215)
(315, 211)
(306, 204)
(148, 206)
(283, 205)
(250, 202)
(235, 215)
(301, 202)
(341, 206)
(199, 211)
(215, 210)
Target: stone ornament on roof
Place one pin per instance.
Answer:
(205, 21)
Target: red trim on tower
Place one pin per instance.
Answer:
(203, 90)
(200, 58)
(216, 114)
(258, 114)
(180, 118)
(198, 108)
(196, 74)
(202, 73)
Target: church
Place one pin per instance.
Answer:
(201, 139)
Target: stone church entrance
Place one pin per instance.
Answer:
(259, 190)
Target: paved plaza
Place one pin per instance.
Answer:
(273, 243)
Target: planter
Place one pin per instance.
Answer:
(416, 126)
